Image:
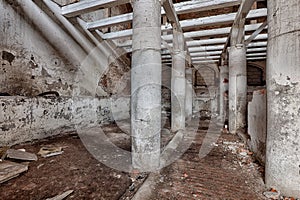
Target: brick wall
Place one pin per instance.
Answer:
(254, 76)
(205, 77)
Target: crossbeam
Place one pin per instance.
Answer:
(192, 34)
(200, 22)
(192, 43)
(236, 35)
(212, 32)
(82, 7)
(254, 46)
(238, 29)
(180, 8)
(255, 34)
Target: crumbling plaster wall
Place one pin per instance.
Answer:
(257, 109)
(257, 124)
(31, 65)
(25, 119)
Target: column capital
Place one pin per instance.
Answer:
(238, 46)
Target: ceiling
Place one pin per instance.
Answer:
(207, 25)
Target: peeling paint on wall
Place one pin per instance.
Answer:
(25, 119)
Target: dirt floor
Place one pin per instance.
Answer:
(75, 169)
(225, 173)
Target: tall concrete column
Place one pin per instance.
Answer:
(224, 80)
(283, 97)
(146, 85)
(237, 88)
(189, 93)
(178, 83)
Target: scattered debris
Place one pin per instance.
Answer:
(184, 176)
(214, 144)
(40, 165)
(132, 187)
(243, 153)
(46, 152)
(21, 154)
(161, 179)
(61, 196)
(272, 194)
(9, 170)
(225, 130)
(118, 176)
(288, 198)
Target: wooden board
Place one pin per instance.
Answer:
(9, 170)
(21, 155)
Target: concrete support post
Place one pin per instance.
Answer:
(224, 80)
(237, 88)
(189, 94)
(146, 85)
(178, 83)
(283, 92)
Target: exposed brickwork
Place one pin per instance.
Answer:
(254, 76)
(205, 77)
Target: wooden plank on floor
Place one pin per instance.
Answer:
(9, 170)
(21, 155)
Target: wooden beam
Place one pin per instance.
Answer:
(179, 42)
(212, 32)
(171, 14)
(257, 49)
(220, 40)
(206, 48)
(221, 19)
(206, 62)
(187, 35)
(256, 54)
(110, 21)
(238, 27)
(166, 45)
(237, 32)
(82, 7)
(217, 55)
(255, 34)
(179, 8)
(257, 44)
(118, 34)
(206, 58)
(206, 53)
(257, 58)
(192, 43)
(200, 22)
(198, 6)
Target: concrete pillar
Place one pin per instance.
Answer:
(178, 83)
(224, 80)
(237, 88)
(189, 94)
(283, 97)
(146, 85)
